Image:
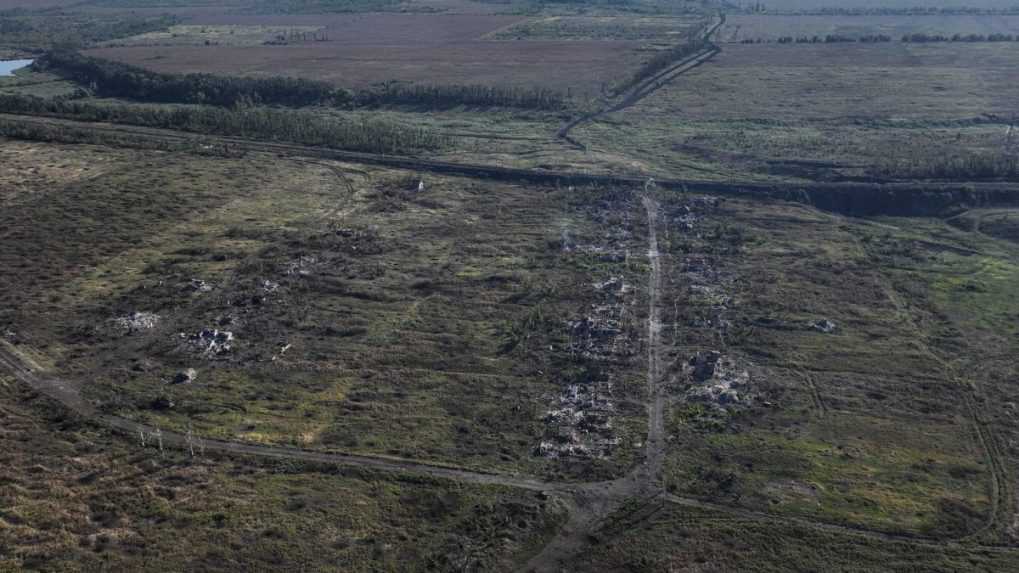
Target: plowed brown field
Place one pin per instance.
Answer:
(363, 49)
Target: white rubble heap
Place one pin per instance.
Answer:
(137, 321)
(600, 334)
(611, 250)
(721, 381)
(210, 342)
(706, 283)
(581, 425)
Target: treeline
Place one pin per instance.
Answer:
(761, 8)
(831, 39)
(306, 128)
(878, 38)
(25, 30)
(911, 11)
(449, 96)
(922, 38)
(107, 78)
(963, 166)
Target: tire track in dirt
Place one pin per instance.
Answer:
(822, 526)
(1002, 499)
(820, 406)
(26, 371)
(655, 447)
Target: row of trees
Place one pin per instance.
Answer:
(890, 11)
(877, 38)
(113, 79)
(306, 128)
(25, 30)
(832, 39)
(963, 166)
(921, 38)
(448, 96)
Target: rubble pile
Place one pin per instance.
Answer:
(137, 321)
(721, 383)
(581, 424)
(612, 247)
(209, 342)
(600, 334)
(708, 286)
(717, 379)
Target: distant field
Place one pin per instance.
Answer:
(806, 5)
(346, 29)
(583, 66)
(761, 26)
(362, 49)
(801, 111)
(11, 4)
(790, 82)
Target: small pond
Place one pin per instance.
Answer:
(7, 67)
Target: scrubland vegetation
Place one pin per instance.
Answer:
(400, 369)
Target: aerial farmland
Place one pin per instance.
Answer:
(460, 285)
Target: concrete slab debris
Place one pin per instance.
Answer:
(137, 321)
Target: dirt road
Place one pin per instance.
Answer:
(655, 446)
(27, 371)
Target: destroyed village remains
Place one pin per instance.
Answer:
(549, 286)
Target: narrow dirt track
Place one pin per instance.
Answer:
(655, 452)
(29, 373)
